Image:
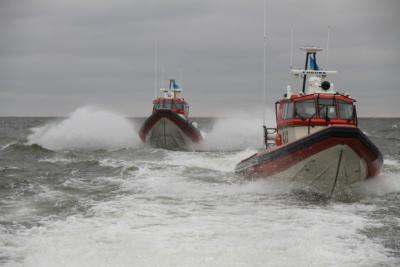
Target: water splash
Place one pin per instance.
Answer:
(237, 132)
(86, 128)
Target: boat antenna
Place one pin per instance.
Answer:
(327, 46)
(291, 48)
(265, 129)
(265, 66)
(155, 68)
(162, 75)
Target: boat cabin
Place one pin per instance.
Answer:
(301, 115)
(317, 106)
(172, 100)
(177, 105)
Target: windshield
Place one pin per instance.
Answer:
(178, 106)
(288, 111)
(305, 109)
(345, 110)
(166, 104)
(327, 108)
(169, 104)
(156, 106)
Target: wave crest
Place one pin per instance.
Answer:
(86, 128)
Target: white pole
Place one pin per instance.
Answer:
(291, 48)
(327, 47)
(156, 69)
(162, 76)
(265, 65)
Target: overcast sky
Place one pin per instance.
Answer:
(58, 55)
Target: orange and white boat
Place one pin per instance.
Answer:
(169, 126)
(317, 140)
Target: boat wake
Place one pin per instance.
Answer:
(87, 128)
(180, 207)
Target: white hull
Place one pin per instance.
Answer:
(330, 171)
(166, 134)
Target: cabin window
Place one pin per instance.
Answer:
(284, 105)
(156, 106)
(186, 106)
(305, 109)
(179, 106)
(327, 108)
(288, 111)
(345, 110)
(279, 110)
(167, 104)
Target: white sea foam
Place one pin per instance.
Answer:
(224, 162)
(380, 185)
(238, 131)
(199, 228)
(86, 128)
(7, 146)
(391, 162)
(58, 159)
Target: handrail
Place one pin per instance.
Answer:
(268, 131)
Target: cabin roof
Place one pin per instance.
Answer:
(177, 100)
(300, 96)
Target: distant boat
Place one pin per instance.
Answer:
(169, 126)
(317, 140)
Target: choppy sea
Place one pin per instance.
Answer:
(83, 191)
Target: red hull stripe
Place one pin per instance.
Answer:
(313, 122)
(282, 158)
(192, 132)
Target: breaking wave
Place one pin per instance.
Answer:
(86, 128)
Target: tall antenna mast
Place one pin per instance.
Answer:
(265, 129)
(155, 69)
(291, 48)
(265, 64)
(162, 76)
(327, 46)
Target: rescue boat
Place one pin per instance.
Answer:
(169, 126)
(318, 144)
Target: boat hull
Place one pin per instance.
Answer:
(166, 129)
(327, 161)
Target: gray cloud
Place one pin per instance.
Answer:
(56, 55)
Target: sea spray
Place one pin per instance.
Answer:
(86, 128)
(236, 132)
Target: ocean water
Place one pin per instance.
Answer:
(83, 191)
